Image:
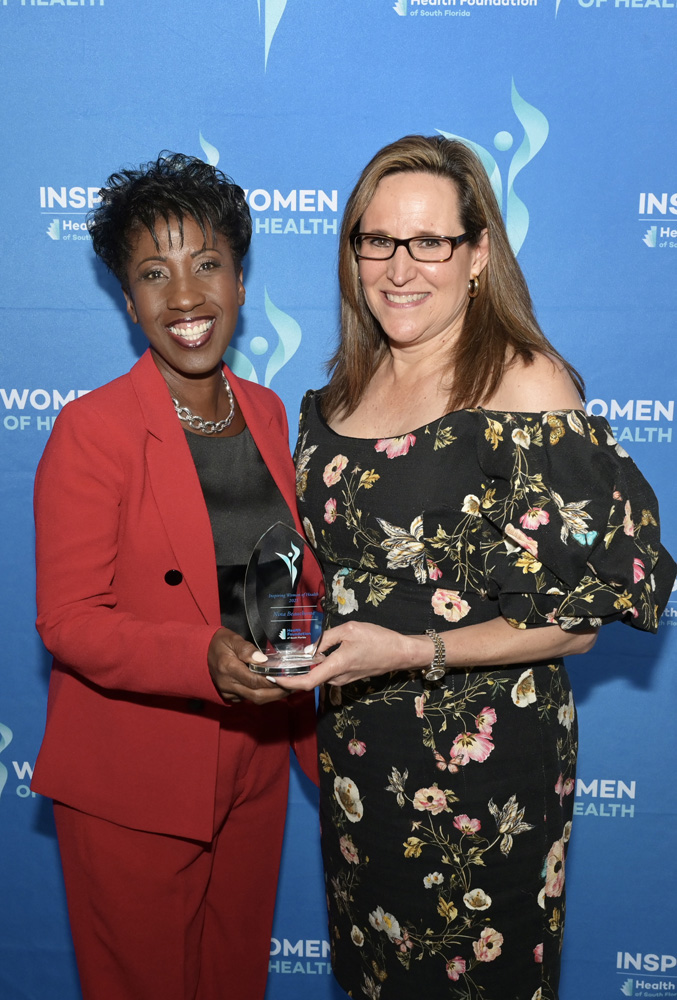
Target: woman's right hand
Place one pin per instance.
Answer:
(229, 656)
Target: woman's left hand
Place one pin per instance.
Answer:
(362, 650)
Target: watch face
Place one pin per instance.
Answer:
(434, 674)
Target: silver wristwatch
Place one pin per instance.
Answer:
(438, 667)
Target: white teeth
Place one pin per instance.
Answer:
(192, 332)
(406, 298)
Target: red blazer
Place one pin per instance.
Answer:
(118, 504)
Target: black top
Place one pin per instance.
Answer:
(243, 501)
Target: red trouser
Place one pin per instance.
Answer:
(154, 916)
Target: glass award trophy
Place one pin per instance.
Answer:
(285, 614)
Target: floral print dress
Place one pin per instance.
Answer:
(446, 808)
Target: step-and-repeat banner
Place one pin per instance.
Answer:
(571, 105)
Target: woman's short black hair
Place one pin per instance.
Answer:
(173, 186)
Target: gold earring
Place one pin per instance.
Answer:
(473, 287)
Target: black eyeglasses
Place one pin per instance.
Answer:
(427, 249)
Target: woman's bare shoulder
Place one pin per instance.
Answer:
(535, 386)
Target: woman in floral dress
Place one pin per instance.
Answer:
(474, 526)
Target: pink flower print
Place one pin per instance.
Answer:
(348, 850)
(431, 800)
(538, 953)
(563, 788)
(533, 518)
(357, 748)
(434, 571)
(397, 446)
(554, 869)
(489, 945)
(467, 825)
(638, 570)
(403, 943)
(332, 471)
(330, 511)
(473, 746)
(485, 720)
(517, 536)
(450, 605)
(419, 702)
(628, 524)
(455, 968)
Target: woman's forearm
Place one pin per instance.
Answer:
(359, 649)
(496, 643)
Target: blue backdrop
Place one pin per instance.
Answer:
(571, 105)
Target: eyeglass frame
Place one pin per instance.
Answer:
(454, 242)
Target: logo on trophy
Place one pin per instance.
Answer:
(284, 608)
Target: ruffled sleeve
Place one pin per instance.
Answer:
(578, 523)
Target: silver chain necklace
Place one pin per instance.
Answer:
(197, 423)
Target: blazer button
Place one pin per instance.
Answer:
(173, 577)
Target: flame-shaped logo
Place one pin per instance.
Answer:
(290, 561)
(54, 230)
(288, 341)
(6, 736)
(212, 155)
(536, 128)
(400, 7)
(272, 15)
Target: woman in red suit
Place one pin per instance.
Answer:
(166, 757)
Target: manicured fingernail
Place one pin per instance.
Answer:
(272, 680)
(259, 657)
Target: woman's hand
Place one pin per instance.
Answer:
(363, 650)
(229, 656)
(368, 650)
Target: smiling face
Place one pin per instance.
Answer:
(418, 303)
(185, 295)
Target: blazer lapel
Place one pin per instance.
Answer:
(176, 489)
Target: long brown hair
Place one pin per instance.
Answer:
(499, 323)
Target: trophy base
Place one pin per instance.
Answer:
(286, 666)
